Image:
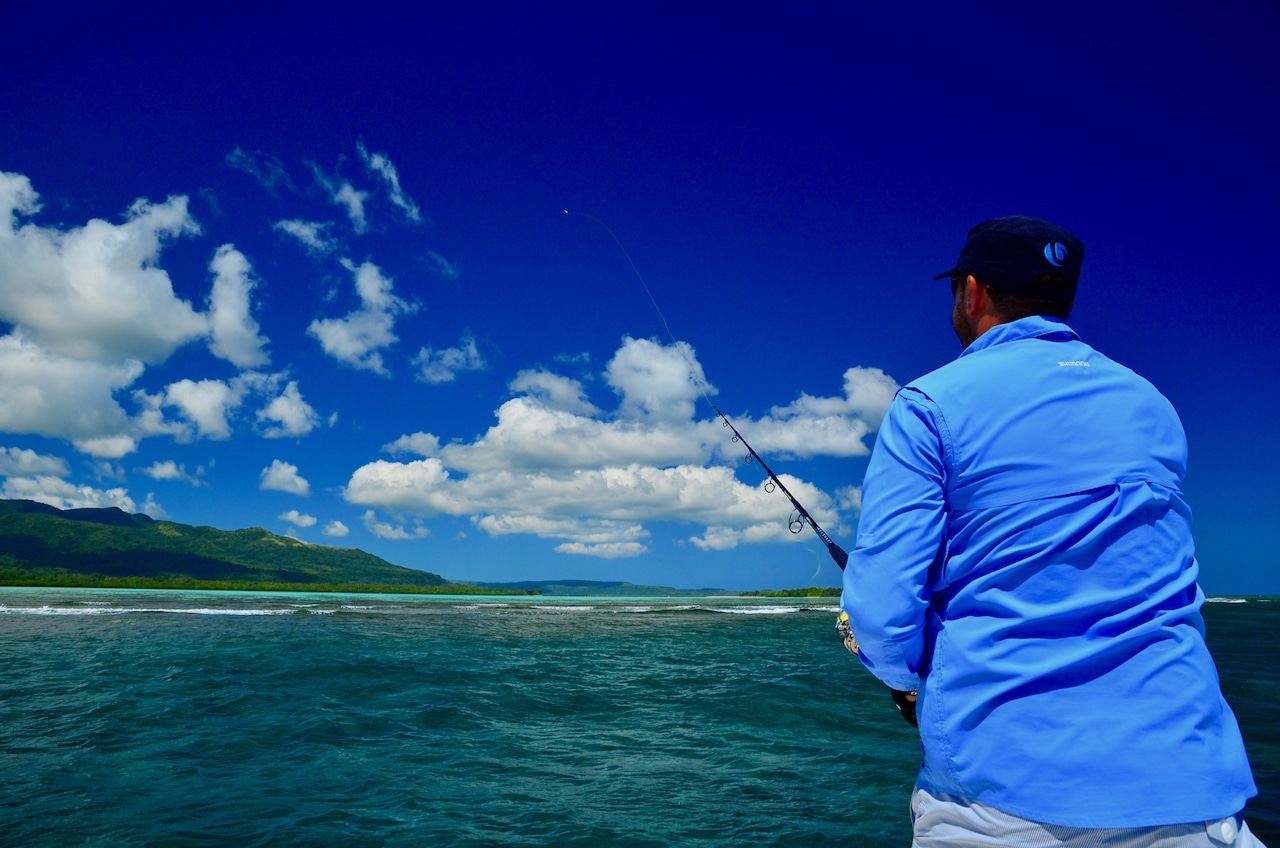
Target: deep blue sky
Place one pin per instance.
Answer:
(787, 183)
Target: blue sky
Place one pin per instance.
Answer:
(314, 273)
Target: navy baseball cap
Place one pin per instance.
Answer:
(1008, 253)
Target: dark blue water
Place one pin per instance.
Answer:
(166, 718)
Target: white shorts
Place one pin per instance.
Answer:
(948, 821)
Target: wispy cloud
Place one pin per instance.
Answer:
(342, 193)
(313, 235)
(266, 169)
(393, 532)
(379, 164)
(448, 270)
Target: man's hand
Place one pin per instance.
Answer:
(846, 633)
(906, 704)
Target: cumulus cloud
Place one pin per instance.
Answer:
(206, 408)
(313, 235)
(234, 331)
(553, 391)
(422, 444)
(557, 467)
(297, 519)
(59, 493)
(656, 382)
(204, 404)
(283, 477)
(19, 462)
(336, 529)
(443, 366)
(170, 470)
(91, 308)
(94, 293)
(356, 338)
(288, 415)
(379, 164)
(49, 394)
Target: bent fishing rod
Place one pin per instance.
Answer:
(800, 517)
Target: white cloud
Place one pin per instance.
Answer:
(812, 426)
(19, 462)
(357, 338)
(393, 532)
(342, 193)
(656, 382)
(313, 235)
(336, 529)
(553, 391)
(557, 467)
(234, 331)
(297, 519)
(283, 477)
(91, 307)
(57, 396)
(205, 408)
(443, 366)
(379, 164)
(97, 292)
(292, 416)
(170, 470)
(204, 404)
(63, 495)
(152, 508)
(422, 444)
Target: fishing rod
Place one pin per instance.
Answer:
(801, 516)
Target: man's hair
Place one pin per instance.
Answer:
(1011, 307)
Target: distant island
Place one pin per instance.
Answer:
(41, 545)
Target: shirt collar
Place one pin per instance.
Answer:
(1035, 326)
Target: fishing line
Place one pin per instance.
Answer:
(801, 516)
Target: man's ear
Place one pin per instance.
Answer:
(976, 299)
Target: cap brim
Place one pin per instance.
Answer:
(954, 272)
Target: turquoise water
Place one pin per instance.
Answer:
(194, 718)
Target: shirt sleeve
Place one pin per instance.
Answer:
(901, 534)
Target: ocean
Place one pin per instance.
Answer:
(170, 718)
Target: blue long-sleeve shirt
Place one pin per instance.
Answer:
(1024, 557)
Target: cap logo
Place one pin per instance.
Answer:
(1056, 253)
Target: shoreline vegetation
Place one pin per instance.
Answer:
(98, 581)
(42, 546)
(810, 592)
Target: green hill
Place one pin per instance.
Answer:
(44, 545)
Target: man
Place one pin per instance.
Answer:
(1024, 559)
